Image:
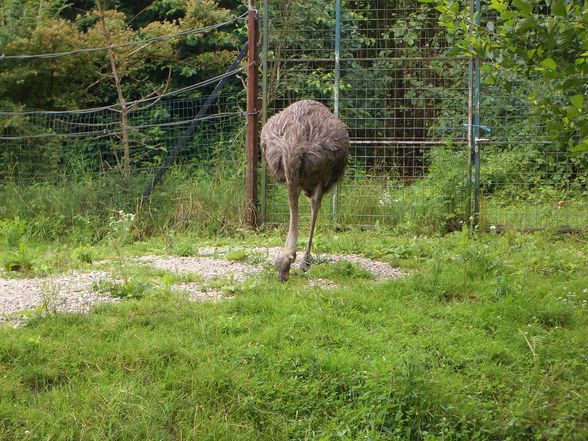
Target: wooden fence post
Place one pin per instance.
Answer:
(252, 119)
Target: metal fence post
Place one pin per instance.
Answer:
(469, 129)
(264, 101)
(252, 120)
(336, 90)
(476, 126)
(183, 140)
(473, 123)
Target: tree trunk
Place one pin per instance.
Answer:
(124, 111)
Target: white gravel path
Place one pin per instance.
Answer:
(70, 292)
(322, 284)
(74, 292)
(380, 270)
(207, 267)
(198, 294)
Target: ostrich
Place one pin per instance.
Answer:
(304, 147)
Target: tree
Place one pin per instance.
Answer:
(546, 38)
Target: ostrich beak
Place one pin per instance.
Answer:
(283, 276)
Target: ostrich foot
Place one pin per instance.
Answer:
(305, 263)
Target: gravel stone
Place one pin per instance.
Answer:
(208, 268)
(70, 292)
(73, 292)
(380, 270)
(197, 294)
(322, 283)
(211, 251)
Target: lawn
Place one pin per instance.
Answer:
(485, 337)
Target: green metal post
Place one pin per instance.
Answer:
(476, 126)
(470, 122)
(336, 89)
(264, 102)
(473, 123)
(470, 139)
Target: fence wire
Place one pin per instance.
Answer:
(402, 94)
(527, 181)
(405, 101)
(40, 146)
(123, 146)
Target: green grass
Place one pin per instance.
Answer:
(89, 209)
(484, 339)
(209, 200)
(530, 214)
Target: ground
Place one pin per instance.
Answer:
(200, 277)
(463, 336)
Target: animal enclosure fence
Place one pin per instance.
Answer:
(49, 146)
(130, 142)
(432, 144)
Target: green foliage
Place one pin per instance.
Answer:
(345, 270)
(129, 290)
(184, 248)
(18, 259)
(439, 201)
(237, 255)
(83, 254)
(31, 27)
(91, 209)
(13, 231)
(533, 37)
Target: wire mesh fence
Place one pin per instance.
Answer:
(400, 94)
(130, 139)
(527, 181)
(45, 146)
(387, 71)
(407, 103)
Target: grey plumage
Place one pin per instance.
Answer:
(306, 148)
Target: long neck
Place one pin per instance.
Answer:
(293, 195)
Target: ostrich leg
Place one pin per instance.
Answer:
(288, 254)
(315, 205)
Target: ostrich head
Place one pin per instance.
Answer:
(283, 264)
